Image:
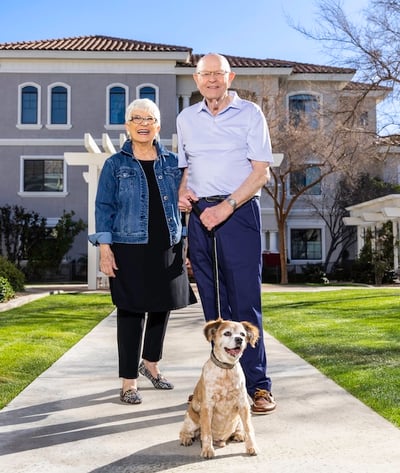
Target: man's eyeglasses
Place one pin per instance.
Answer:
(207, 74)
(138, 120)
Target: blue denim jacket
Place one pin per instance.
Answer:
(122, 200)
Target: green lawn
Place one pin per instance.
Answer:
(351, 335)
(35, 335)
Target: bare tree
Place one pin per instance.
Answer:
(331, 208)
(340, 147)
(371, 45)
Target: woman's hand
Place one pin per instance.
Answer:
(186, 197)
(107, 261)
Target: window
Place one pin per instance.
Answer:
(29, 109)
(303, 178)
(117, 105)
(306, 243)
(59, 106)
(43, 175)
(147, 91)
(363, 120)
(304, 108)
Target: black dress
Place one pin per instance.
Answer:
(151, 277)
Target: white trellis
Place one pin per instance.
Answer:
(373, 213)
(94, 158)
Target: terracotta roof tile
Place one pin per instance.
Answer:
(91, 43)
(103, 43)
(299, 67)
(362, 86)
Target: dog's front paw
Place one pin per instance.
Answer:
(208, 452)
(186, 439)
(251, 449)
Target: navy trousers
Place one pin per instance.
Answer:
(239, 266)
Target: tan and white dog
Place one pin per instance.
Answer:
(220, 410)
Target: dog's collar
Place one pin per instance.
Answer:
(220, 364)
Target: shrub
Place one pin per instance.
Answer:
(314, 273)
(14, 276)
(6, 291)
(47, 254)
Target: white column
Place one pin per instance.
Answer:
(186, 101)
(93, 257)
(360, 238)
(273, 242)
(395, 224)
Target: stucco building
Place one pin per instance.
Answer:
(54, 91)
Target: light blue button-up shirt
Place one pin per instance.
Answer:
(218, 150)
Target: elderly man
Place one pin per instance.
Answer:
(225, 150)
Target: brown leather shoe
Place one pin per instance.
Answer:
(263, 402)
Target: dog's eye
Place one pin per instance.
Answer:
(228, 333)
(242, 334)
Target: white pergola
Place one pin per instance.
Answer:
(94, 158)
(372, 214)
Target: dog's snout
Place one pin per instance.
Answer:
(238, 340)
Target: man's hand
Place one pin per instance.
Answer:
(213, 216)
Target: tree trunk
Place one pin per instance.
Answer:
(283, 251)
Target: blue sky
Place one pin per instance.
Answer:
(257, 28)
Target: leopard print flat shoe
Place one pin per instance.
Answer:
(159, 383)
(131, 396)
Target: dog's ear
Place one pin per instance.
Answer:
(252, 333)
(210, 328)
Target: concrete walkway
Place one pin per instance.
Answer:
(69, 420)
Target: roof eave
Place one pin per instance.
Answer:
(115, 55)
(322, 76)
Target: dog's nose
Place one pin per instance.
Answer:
(238, 340)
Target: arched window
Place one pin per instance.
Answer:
(304, 108)
(29, 111)
(59, 105)
(148, 93)
(117, 105)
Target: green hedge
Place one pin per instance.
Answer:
(6, 291)
(15, 277)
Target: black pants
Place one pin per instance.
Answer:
(130, 329)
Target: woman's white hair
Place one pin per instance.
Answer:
(146, 105)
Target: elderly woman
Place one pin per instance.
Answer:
(138, 230)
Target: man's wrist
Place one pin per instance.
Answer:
(232, 202)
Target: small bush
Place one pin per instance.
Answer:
(14, 276)
(6, 291)
(314, 273)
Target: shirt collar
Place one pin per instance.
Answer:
(235, 103)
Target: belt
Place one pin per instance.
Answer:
(214, 198)
(220, 198)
